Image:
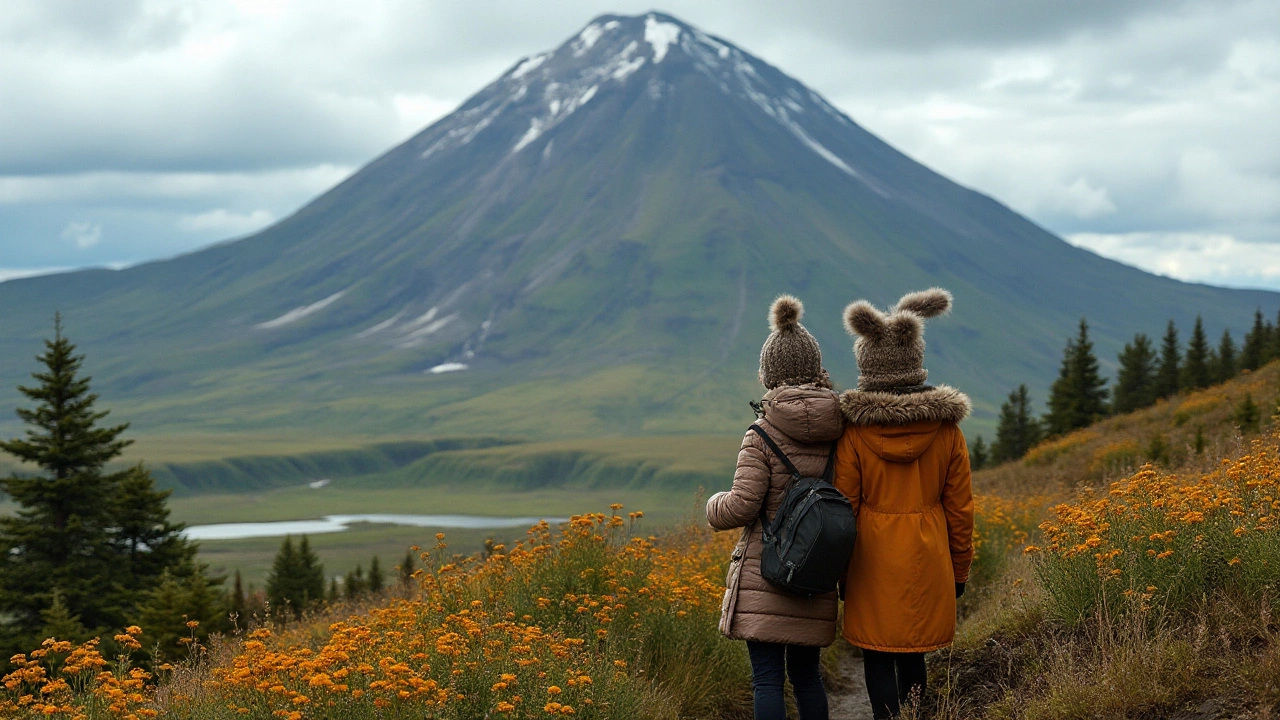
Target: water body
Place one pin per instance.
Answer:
(339, 523)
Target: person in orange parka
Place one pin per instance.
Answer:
(904, 465)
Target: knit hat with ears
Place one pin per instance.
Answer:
(790, 356)
(890, 346)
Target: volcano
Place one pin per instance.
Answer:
(587, 247)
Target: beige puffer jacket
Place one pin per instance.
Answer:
(803, 420)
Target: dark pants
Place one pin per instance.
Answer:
(891, 679)
(771, 663)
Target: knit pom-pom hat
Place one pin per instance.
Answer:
(890, 346)
(790, 355)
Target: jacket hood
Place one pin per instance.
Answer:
(889, 409)
(806, 413)
(903, 443)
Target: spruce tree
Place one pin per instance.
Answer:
(1168, 372)
(978, 454)
(238, 602)
(288, 582)
(178, 600)
(1224, 366)
(1247, 415)
(1079, 396)
(58, 622)
(1136, 378)
(146, 541)
(354, 586)
(1017, 431)
(61, 536)
(311, 571)
(334, 594)
(377, 580)
(1195, 372)
(407, 566)
(1255, 342)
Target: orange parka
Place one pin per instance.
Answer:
(904, 465)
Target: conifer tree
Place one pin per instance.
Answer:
(58, 622)
(407, 566)
(61, 535)
(1195, 372)
(296, 579)
(353, 586)
(376, 579)
(1224, 365)
(1247, 415)
(180, 599)
(1168, 372)
(312, 572)
(1017, 431)
(147, 542)
(238, 601)
(1078, 397)
(1254, 344)
(1136, 378)
(334, 594)
(978, 454)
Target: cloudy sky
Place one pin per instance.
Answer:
(1145, 130)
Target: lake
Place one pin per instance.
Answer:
(338, 523)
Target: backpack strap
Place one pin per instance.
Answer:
(766, 527)
(831, 462)
(777, 450)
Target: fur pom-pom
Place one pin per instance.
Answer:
(785, 313)
(926, 303)
(861, 318)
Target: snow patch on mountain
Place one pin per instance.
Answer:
(298, 313)
(562, 103)
(660, 35)
(380, 326)
(530, 65)
(447, 367)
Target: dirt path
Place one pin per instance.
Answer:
(851, 703)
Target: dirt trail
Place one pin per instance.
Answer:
(851, 703)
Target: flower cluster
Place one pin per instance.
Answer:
(1155, 539)
(63, 680)
(562, 624)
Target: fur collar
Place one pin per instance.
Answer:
(942, 403)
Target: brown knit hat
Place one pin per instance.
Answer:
(890, 347)
(790, 356)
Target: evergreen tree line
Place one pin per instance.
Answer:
(1080, 397)
(91, 551)
(296, 583)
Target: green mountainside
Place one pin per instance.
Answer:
(596, 237)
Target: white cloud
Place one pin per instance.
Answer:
(85, 235)
(226, 223)
(1210, 258)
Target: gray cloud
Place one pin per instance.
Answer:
(168, 124)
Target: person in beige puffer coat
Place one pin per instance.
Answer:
(802, 414)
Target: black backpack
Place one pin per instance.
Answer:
(808, 543)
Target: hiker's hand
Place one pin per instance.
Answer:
(959, 590)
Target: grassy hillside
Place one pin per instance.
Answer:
(1145, 593)
(1114, 448)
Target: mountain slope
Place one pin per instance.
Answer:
(595, 236)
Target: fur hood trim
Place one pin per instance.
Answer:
(942, 403)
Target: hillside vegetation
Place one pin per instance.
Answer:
(1103, 587)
